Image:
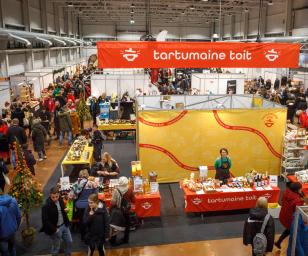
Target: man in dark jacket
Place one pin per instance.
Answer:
(19, 114)
(45, 117)
(10, 217)
(16, 132)
(55, 223)
(65, 124)
(56, 119)
(97, 141)
(254, 223)
(38, 137)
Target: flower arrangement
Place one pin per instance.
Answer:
(25, 188)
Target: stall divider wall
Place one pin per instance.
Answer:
(218, 83)
(117, 84)
(175, 142)
(5, 93)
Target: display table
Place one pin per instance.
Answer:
(223, 201)
(116, 127)
(82, 160)
(292, 178)
(146, 205)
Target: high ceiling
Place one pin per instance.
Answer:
(171, 12)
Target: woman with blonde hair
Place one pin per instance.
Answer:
(253, 225)
(110, 168)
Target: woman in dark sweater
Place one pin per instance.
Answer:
(96, 221)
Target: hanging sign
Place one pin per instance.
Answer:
(197, 55)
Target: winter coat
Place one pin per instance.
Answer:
(75, 123)
(61, 99)
(253, 226)
(3, 170)
(97, 226)
(38, 136)
(50, 216)
(10, 216)
(19, 133)
(65, 122)
(30, 160)
(20, 115)
(301, 248)
(97, 141)
(288, 205)
(303, 118)
(4, 143)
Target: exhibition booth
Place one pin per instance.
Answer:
(182, 133)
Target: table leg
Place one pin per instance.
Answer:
(62, 170)
(202, 216)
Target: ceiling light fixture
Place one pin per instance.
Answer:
(183, 12)
(132, 11)
(132, 21)
(192, 7)
(132, 6)
(270, 3)
(205, 0)
(70, 5)
(246, 10)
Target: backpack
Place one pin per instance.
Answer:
(125, 205)
(259, 242)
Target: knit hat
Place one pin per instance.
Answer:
(123, 181)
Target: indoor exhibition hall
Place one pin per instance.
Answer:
(153, 128)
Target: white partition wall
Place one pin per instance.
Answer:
(218, 83)
(118, 84)
(203, 102)
(5, 93)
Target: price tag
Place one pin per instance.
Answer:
(65, 183)
(138, 184)
(154, 186)
(274, 180)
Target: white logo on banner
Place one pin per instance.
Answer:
(271, 55)
(267, 196)
(197, 201)
(130, 54)
(146, 205)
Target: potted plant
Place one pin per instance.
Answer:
(27, 192)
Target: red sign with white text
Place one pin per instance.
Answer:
(197, 55)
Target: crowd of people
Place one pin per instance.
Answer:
(284, 92)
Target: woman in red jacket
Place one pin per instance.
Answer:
(292, 197)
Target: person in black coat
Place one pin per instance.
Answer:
(96, 221)
(19, 114)
(3, 170)
(55, 223)
(97, 141)
(16, 132)
(45, 117)
(29, 157)
(38, 136)
(254, 223)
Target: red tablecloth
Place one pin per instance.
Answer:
(223, 201)
(292, 178)
(147, 205)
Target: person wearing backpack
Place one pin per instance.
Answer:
(120, 205)
(259, 229)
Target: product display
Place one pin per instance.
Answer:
(295, 144)
(79, 153)
(302, 176)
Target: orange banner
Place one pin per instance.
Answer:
(196, 55)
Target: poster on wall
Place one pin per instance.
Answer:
(231, 87)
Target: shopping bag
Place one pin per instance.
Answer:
(70, 208)
(6, 179)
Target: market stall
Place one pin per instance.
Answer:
(239, 193)
(80, 153)
(146, 205)
(165, 134)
